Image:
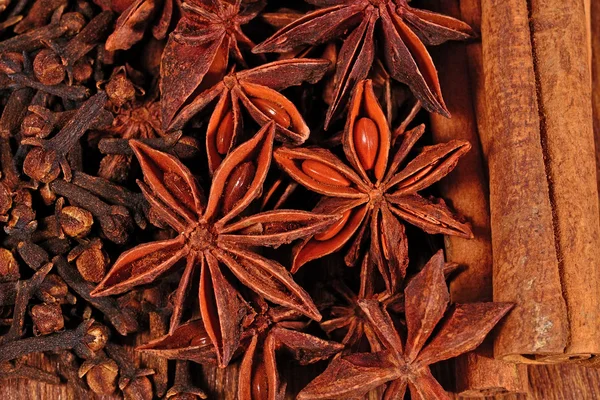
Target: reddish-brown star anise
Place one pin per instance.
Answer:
(197, 53)
(372, 193)
(404, 32)
(406, 363)
(267, 331)
(136, 17)
(189, 341)
(257, 91)
(343, 319)
(272, 330)
(210, 239)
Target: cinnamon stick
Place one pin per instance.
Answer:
(588, 19)
(595, 55)
(543, 193)
(476, 373)
(595, 52)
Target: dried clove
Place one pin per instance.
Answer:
(182, 388)
(115, 221)
(44, 162)
(123, 322)
(77, 339)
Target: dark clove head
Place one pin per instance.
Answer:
(47, 318)
(41, 165)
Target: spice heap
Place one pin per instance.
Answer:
(228, 182)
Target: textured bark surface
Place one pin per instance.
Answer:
(537, 95)
(561, 58)
(467, 189)
(525, 259)
(595, 38)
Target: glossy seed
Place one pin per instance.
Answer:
(273, 111)
(335, 228)
(225, 133)
(200, 340)
(260, 383)
(324, 173)
(366, 142)
(180, 189)
(238, 185)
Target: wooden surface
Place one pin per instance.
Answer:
(559, 382)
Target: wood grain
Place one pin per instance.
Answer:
(547, 382)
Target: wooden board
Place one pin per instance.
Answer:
(559, 382)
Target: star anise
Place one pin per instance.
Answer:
(371, 192)
(197, 54)
(273, 330)
(343, 318)
(208, 238)
(406, 363)
(404, 33)
(268, 331)
(189, 341)
(257, 91)
(136, 17)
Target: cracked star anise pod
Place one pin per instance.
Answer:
(432, 336)
(403, 31)
(257, 91)
(196, 56)
(274, 330)
(189, 341)
(212, 239)
(371, 192)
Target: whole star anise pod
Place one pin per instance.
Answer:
(196, 56)
(372, 192)
(209, 239)
(257, 91)
(273, 330)
(404, 32)
(344, 318)
(406, 363)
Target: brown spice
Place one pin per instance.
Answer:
(542, 234)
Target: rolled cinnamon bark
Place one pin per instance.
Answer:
(588, 17)
(476, 373)
(543, 194)
(595, 52)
